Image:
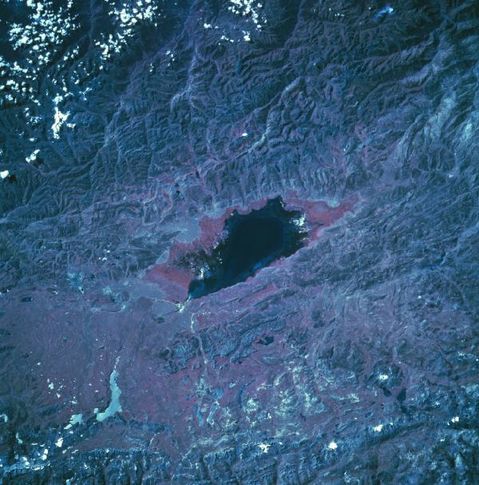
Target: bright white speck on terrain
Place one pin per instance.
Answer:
(59, 442)
(378, 428)
(4, 417)
(264, 447)
(387, 10)
(203, 272)
(333, 445)
(60, 118)
(228, 39)
(300, 221)
(33, 156)
(181, 306)
(383, 377)
(455, 419)
(4, 174)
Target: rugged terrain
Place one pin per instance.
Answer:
(130, 134)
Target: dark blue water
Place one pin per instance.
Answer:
(253, 241)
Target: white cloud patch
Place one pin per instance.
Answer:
(59, 119)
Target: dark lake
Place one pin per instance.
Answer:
(253, 241)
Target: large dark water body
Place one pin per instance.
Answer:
(355, 359)
(252, 241)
